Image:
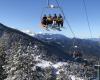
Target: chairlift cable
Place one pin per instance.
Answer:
(65, 19)
(74, 39)
(87, 18)
(42, 12)
(48, 2)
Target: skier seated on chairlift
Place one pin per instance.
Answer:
(60, 20)
(54, 20)
(49, 20)
(44, 21)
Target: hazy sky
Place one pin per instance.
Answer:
(26, 15)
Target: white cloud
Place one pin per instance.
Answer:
(29, 32)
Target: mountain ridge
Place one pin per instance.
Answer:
(66, 43)
(23, 57)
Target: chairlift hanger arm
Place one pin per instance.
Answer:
(48, 2)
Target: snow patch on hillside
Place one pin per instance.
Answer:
(56, 67)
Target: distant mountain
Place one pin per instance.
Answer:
(95, 39)
(87, 46)
(23, 57)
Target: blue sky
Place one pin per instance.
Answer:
(25, 15)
